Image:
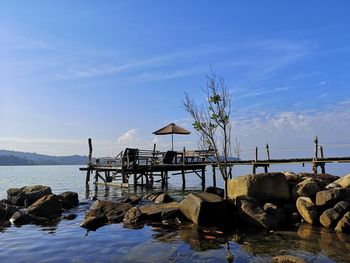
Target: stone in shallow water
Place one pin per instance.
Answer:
(344, 224)
(6, 211)
(48, 206)
(331, 216)
(204, 208)
(69, 199)
(27, 195)
(307, 210)
(287, 259)
(265, 186)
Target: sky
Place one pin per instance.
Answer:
(116, 71)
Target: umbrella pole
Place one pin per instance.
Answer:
(172, 142)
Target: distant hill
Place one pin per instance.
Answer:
(26, 158)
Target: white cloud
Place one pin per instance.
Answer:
(128, 138)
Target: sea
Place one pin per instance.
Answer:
(65, 241)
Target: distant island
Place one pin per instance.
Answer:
(8, 158)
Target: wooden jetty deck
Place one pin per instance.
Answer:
(149, 166)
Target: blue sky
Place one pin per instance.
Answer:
(117, 70)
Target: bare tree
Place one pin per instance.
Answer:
(212, 122)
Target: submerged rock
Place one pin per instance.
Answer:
(102, 212)
(344, 224)
(203, 208)
(307, 210)
(23, 218)
(265, 186)
(329, 198)
(48, 206)
(159, 197)
(69, 199)
(27, 195)
(287, 259)
(70, 216)
(330, 217)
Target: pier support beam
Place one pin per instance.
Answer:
(214, 176)
(203, 179)
(183, 180)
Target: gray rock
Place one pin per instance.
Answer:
(328, 198)
(307, 210)
(203, 208)
(48, 206)
(266, 186)
(27, 195)
(250, 212)
(330, 217)
(69, 199)
(344, 224)
(308, 187)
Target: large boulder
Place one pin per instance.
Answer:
(308, 187)
(330, 217)
(250, 211)
(203, 208)
(69, 199)
(48, 206)
(102, 212)
(266, 186)
(328, 198)
(27, 195)
(342, 182)
(307, 210)
(344, 224)
(216, 191)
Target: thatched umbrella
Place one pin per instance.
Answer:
(172, 129)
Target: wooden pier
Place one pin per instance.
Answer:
(149, 166)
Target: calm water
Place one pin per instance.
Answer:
(65, 241)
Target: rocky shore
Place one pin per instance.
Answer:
(269, 201)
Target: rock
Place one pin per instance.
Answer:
(203, 208)
(102, 212)
(308, 187)
(287, 259)
(260, 186)
(171, 222)
(163, 198)
(250, 212)
(48, 206)
(130, 199)
(330, 217)
(321, 179)
(133, 217)
(344, 224)
(69, 199)
(159, 197)
(307, 210)
(22, 218)
(332, 185)
(343, 181)
(70, 217)
(27, 195)
(6, 211)
(159, 211)
(329, 198)
(216, 191)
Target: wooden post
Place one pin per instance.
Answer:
(203, 178)
(314, 163)
(183, 156)
(89, 168)
(256, 154)
(316, 147)
(230, 171)
(214, 176)
(162, 178)
(268, 151)
(96, 170)
(183, 179)
(135, 179)
(166, 179)
(323, 165)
